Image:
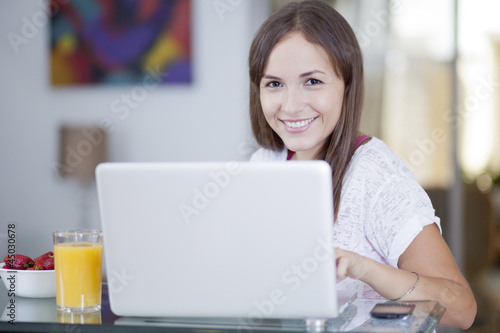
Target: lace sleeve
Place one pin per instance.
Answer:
(400, 212)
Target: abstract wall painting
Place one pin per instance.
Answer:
(120, 42)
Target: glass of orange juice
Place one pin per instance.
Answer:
(78, 268)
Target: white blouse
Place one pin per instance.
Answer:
(382, 207)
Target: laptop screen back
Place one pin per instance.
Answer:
(236, 239)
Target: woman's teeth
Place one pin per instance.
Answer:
(298, 124)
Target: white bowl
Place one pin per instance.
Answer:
(37, 284)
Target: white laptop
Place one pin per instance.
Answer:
(241, 240)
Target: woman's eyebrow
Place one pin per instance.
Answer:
(272, 77)
(311, 73)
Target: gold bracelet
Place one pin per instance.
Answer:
(409, 291)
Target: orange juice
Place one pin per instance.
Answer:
(79, 318)
(78, 268)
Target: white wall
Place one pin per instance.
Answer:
(206, 120)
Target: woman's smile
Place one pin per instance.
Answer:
(298, 126)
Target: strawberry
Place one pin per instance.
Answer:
(48, 264)
(38, 265)
(45, 261)
(6, 260)
(18, 261)
(44, 256)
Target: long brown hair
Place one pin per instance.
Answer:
(320, 24)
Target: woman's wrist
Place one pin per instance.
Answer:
(369, 270)
(410, 290)
(388, 281)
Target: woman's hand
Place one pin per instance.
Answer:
(350, 264)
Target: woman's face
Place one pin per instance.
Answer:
(301, 95)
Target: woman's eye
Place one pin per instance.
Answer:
(313, 82)
(273, 84)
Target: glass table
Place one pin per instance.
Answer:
(41, 315)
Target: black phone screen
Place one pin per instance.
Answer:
(392, 310)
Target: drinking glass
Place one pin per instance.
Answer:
(78, 268)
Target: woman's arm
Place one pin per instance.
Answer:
(440, 278)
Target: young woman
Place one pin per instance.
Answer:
(306, 94)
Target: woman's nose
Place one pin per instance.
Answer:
(293, 101)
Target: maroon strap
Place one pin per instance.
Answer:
(359, 141)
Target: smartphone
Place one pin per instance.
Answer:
(391, 310)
